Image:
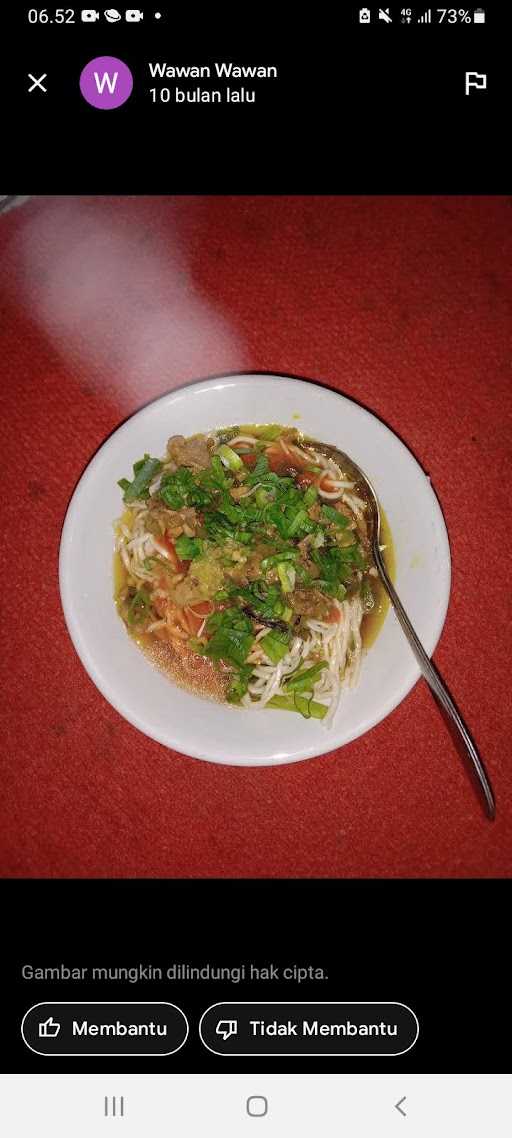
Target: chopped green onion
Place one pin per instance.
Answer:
(138, 607)
(286, 574)
(262, 497)
(227, 507)
(303, 577)
(306, 678)
(297, 522)
(275, 645)
(216, 471)
(259, 471)
(232, 637)
(144, 471)
(306, 707)
(310, 496)
(333, 515)
(346, 538)
(239, 684)
(331, 588)
(230, 458)
(188, 547)
(181, 489)
(277, 558)
(269, 433)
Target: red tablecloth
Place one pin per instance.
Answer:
(400, 302)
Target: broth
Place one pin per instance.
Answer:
(196, 672)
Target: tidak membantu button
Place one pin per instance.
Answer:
(309, 1029)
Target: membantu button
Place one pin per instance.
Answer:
(77, 1029)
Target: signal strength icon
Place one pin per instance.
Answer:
(426, 18)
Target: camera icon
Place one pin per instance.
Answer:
(89, 15)
(133, 15)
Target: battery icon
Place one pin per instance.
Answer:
(479, 16)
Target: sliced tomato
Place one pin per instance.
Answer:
(278, 461)
(163, 541)
(160, 603)
(178, 566)
(203, 608)
(326, 484)
(180, 619)
(307, 478)
(334, 616)
(196, 614)
(249, 459)
(283, 459)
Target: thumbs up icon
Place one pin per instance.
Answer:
(49, 1029)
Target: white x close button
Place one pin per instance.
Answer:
(37, 84)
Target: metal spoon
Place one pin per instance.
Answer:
(429, 672)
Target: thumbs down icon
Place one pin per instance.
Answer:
(49, 1029)
(227, 1028)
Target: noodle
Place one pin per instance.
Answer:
(244, 561)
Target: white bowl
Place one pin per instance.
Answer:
(200, 727)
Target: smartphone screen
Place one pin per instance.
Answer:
(256, 839)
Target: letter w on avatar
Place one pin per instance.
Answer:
(106, 81)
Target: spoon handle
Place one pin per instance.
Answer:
(438, 687)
